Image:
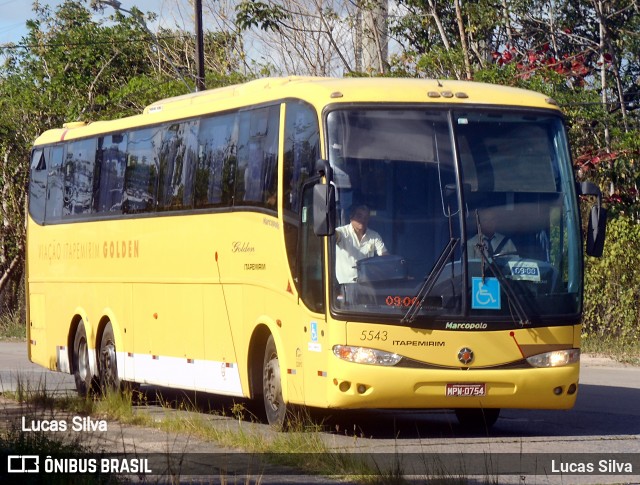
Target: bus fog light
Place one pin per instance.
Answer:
(344, 386)
(572, 389)
(557, 391)
(557, 358)
(362, 388)
(364, 355)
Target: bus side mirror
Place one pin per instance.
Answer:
(324, 209)
(597, 224)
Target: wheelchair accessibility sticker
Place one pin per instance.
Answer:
(485, 294)
(314, 345)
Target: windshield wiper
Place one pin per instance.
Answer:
(430, 281)
(512, 296)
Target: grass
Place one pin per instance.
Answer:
(12, 325)
(302, 447)
(16, 442)
(616, 349)
(38, 403)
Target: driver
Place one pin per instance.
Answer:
(355, 241)
(493, 242)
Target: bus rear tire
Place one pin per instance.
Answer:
(274, 405)
(477, 419)
(108, 365)
(81, 367)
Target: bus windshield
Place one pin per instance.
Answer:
(450, 213)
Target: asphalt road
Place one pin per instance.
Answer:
(603, 427)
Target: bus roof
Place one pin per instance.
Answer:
(318, 91)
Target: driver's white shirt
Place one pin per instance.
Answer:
(350, 250)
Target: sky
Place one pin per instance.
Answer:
(15, 13)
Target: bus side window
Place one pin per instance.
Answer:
(216, 160)
(55, 182)
(257, 157)
(141, 174)
(38, 185)
(301, 150)
(110, 167)
(176, 165)
(78, 177)
(310, 279)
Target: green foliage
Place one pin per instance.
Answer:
(12, 325)
(71, 66)
(441, 63)
(612, 164)
(612, 286)
(584, 55)
(252, 13)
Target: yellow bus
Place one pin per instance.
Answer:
(334, 243)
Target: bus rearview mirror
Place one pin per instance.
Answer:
(597, 224)
(324, 209)
(596, 229)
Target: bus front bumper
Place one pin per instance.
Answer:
(369, 386)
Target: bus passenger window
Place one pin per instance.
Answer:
(177, 162)
(216, 160)
(301, 150)
(110, 167)
(257, 157)
(38, 186)
(78, 177)
(55, 181)
(141, 174)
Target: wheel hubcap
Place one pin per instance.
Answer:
(109, 365)
(273, 389)
(83, 360)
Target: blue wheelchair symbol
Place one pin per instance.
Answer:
(314, 331)
(485, 294)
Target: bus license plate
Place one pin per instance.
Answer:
(466, 390)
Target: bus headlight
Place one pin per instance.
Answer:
(364, 355)
(557, 358)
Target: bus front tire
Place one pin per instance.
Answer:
(109, 380)
(81, 368)
(274, 405)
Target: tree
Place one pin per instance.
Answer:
(319, 38)
(584, 54)
(72, 67)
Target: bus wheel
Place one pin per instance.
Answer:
(477, 419)
(274, 405)
(81, 367)
(109, 380)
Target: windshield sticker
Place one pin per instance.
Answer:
(485, 294)
(524, 270)
(314, 347)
